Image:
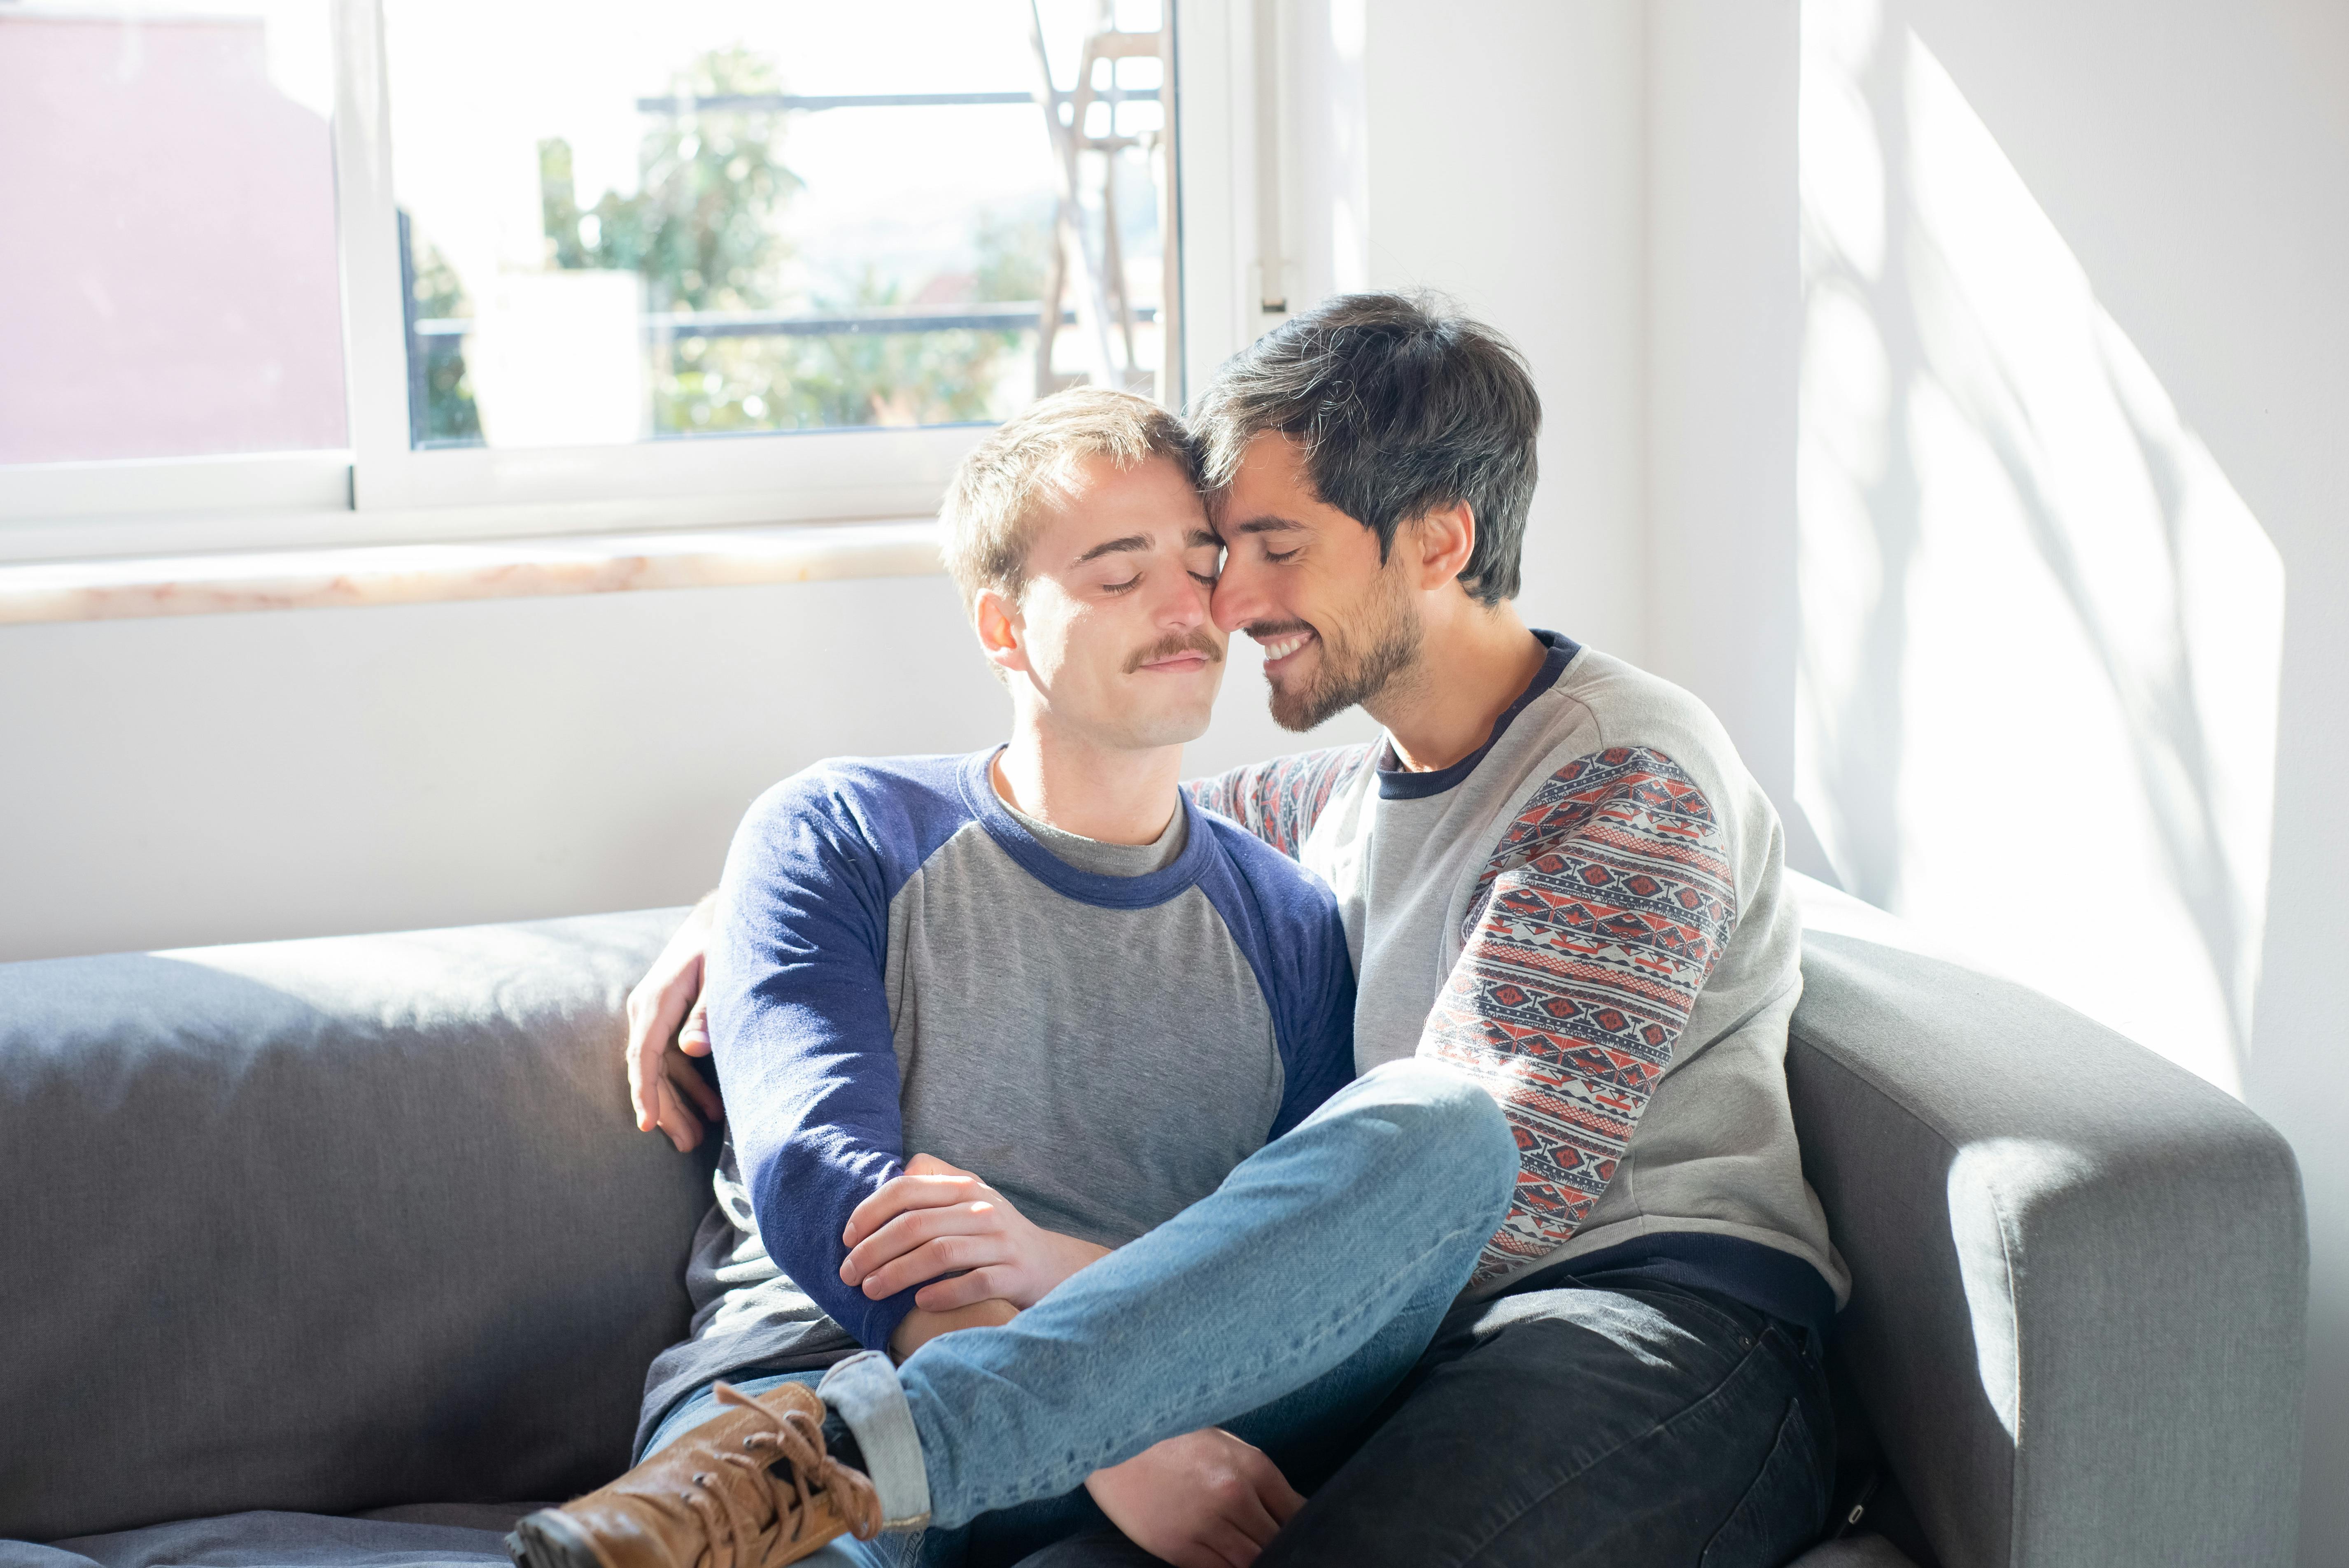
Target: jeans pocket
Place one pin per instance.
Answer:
(1782, 1511)
(1741, 1329)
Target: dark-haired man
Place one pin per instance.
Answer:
(1554, 873)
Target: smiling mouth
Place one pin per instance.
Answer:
(1278, 648)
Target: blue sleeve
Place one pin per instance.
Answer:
(1286, 921)
(798, 1016)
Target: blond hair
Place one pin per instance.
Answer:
(992, 503)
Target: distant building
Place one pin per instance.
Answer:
(168, 282)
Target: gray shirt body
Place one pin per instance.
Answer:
(1077, 1023)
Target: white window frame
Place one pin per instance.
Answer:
(381, 490)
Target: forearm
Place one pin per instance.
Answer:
(921, 1325)
(802, 1198)
(918, 1327)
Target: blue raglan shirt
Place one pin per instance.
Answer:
(899, 966)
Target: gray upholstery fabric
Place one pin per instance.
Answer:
(475, 1539)
(329, 1225)
(2079, 1272)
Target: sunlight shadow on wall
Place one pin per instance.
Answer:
(2042, 634)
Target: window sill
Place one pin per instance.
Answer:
(354, 576)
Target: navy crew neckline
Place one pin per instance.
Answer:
(1400, 784)
(1106, 892)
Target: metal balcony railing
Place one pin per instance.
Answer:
(994, 315)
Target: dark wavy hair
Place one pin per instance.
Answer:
(1401, 405)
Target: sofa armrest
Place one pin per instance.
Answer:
(2079, 1272)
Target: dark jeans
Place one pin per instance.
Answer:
(1611, 1420)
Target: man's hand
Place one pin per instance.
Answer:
(668, 1021)
(1204, 1499)
(917, 1328)
(936, 1220)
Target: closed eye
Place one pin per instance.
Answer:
(1279, 557)
(1125, 587)
(1205, 579)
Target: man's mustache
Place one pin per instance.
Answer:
(1180, 642)
(1273, 631)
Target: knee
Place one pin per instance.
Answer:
(1456, 1123)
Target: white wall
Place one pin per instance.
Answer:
(2195, 158)
(1722, 333)
(233, 777)
(1504, 171)
(2009, 477)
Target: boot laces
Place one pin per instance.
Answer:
(738, 1537)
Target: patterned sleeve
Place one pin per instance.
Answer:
(1596, 923)
(1279, 800)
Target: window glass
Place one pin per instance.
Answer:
(625, 223)
(168, 284)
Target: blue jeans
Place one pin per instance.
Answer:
(1284, 1307)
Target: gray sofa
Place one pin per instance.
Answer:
(344, 1250)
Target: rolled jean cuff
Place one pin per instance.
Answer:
(865, 1390)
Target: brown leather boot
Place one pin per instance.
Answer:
(750, 1488)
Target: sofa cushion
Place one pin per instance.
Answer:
(329, 1225)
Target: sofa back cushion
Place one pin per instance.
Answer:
(328, 1224)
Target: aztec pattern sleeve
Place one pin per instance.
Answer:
(1279, 800)
(1602, 911)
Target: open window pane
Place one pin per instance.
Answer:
(723, 218)
(168, 282)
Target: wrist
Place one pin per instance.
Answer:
(1068, 1255)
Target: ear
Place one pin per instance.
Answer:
(999, 627)
(1442, 542)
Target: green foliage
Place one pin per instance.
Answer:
(450, 418)
(701, 227)
(704, 230)
(720, 384)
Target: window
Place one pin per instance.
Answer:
(716, 260)
(702, 220)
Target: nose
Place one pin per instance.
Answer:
(1239, 594)
(1185, 605)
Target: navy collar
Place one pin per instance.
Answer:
(1399, 784)
(1143, 892)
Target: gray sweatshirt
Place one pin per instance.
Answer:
(1589, 914)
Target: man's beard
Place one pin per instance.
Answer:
(1346, 674)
